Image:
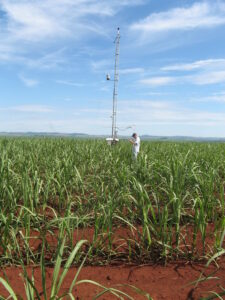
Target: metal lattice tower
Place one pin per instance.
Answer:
(115, 90)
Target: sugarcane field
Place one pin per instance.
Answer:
(78, 207)
(112, 150)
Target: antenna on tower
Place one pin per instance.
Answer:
(114, 139)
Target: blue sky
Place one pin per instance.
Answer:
(54, 55)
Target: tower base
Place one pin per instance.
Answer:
(112, 141)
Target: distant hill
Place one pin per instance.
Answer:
(50, 134)
(84, 135)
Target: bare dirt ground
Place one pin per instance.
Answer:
(161, 282)
(172, 281)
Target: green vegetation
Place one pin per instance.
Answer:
(174, 188)
(167, 205)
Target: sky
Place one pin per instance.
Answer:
(55, 54)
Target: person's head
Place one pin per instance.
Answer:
(134, 135)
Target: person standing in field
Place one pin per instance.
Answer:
(135, 141)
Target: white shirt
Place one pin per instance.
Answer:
(136, 145)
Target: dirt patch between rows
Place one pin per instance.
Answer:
(119, 237)
(161, 282)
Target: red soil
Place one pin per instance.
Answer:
(119, 238)
(170, 282)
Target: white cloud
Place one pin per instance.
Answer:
(156, 94)
(158, 81)
(29, 82)
(202, 72)
(203, 78)
(200, 64)
(103, 64)
(165, 117)
(47, 61)
(141, 105)
(131, 71)
(31, 21)
(95, 110)
(209, 78)
(36, 20)
(199, 15)
(40, 26)
(70, 83)
(164, 112)
(218, 97)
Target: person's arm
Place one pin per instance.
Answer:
(132, 142)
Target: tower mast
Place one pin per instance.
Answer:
(115, 90)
